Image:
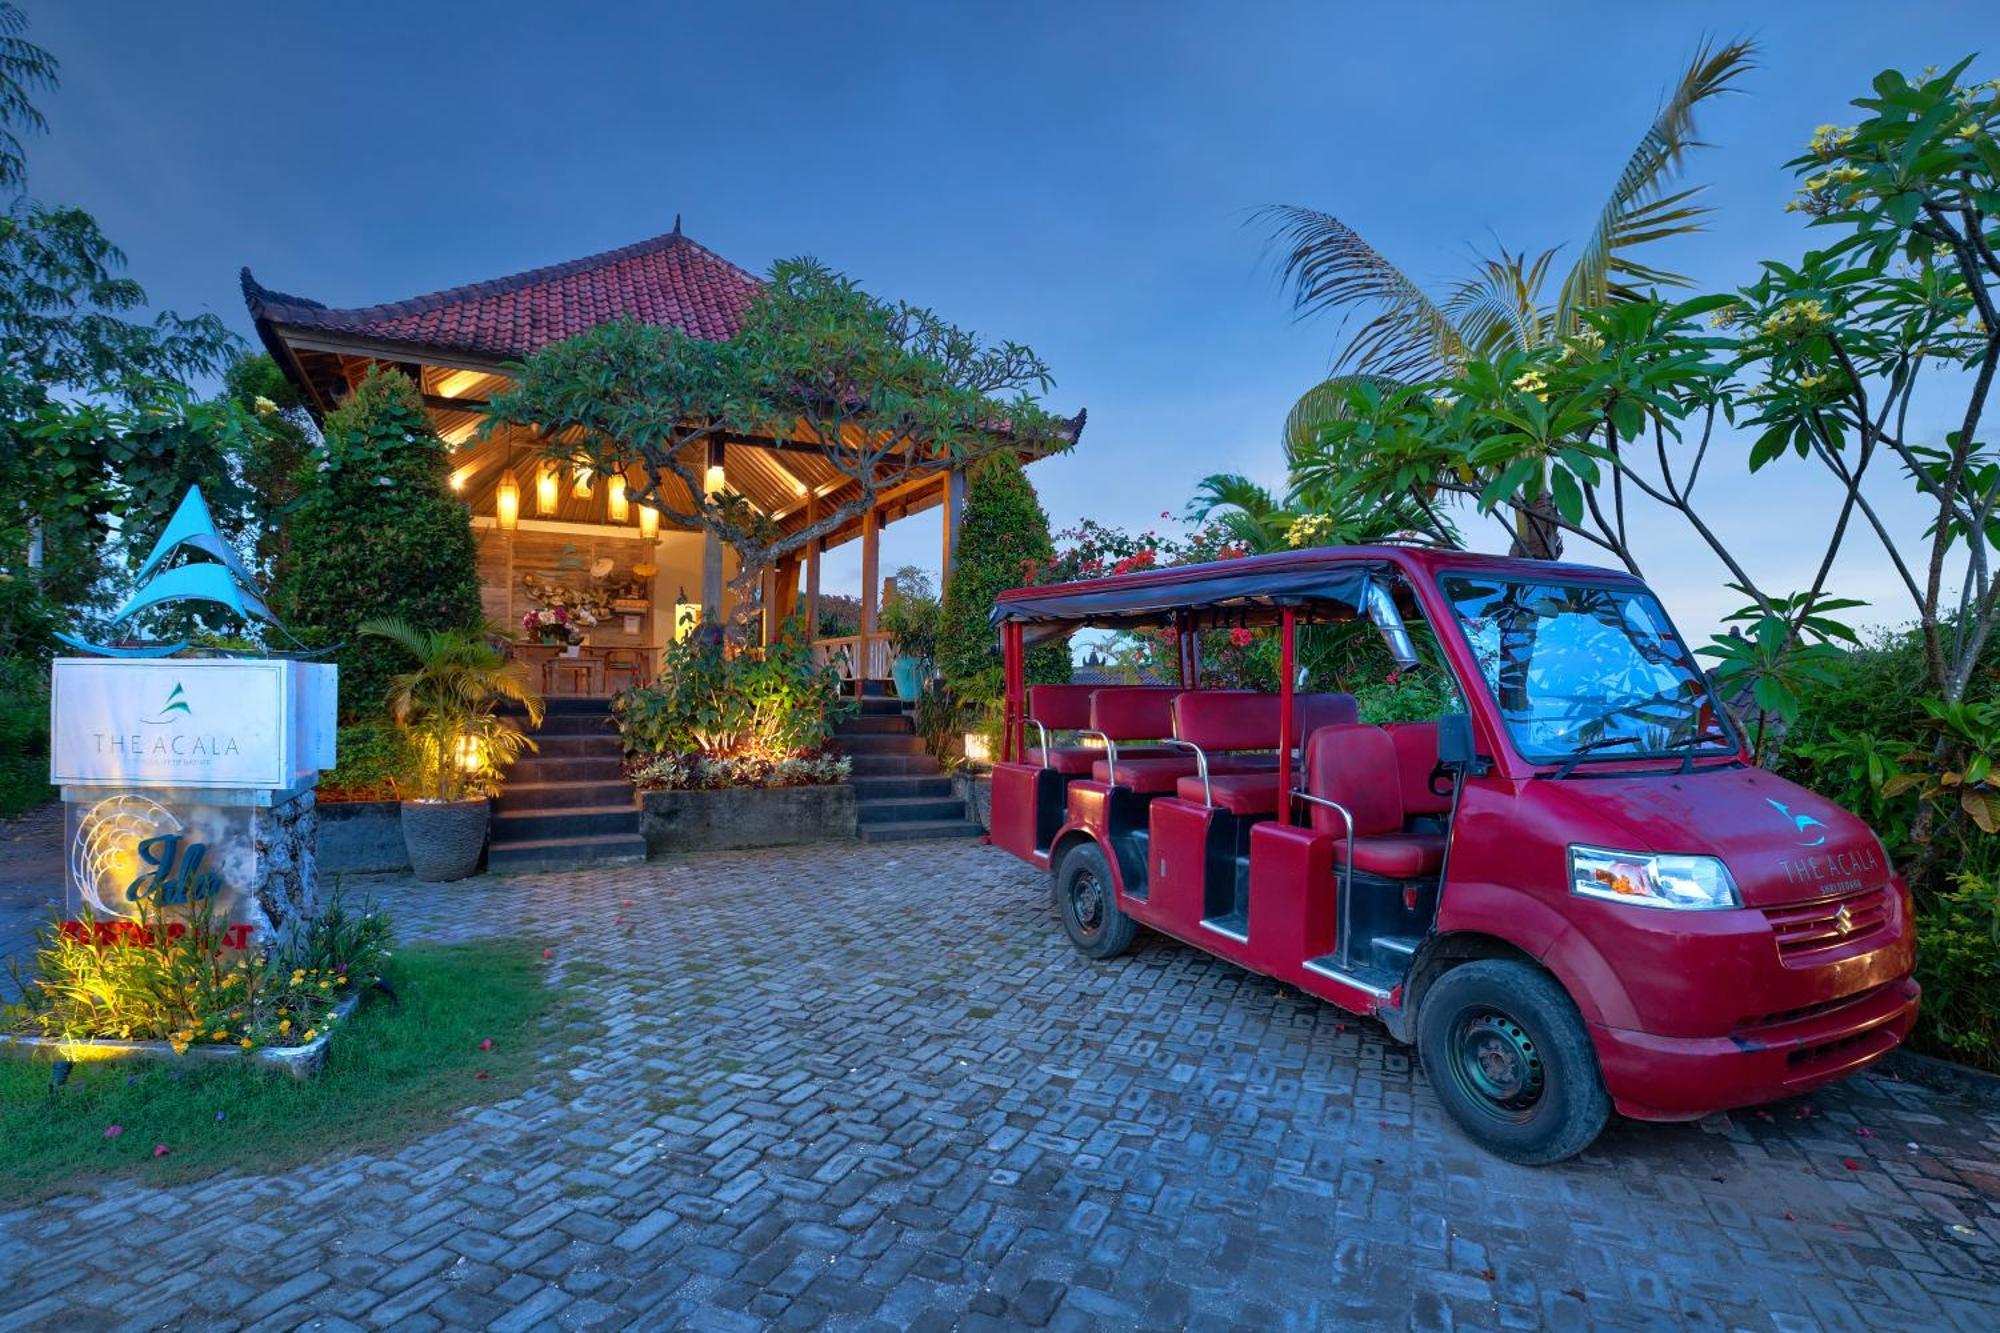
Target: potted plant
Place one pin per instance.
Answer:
(910, 619)
(461, 745)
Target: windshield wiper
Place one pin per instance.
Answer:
(1689, 742)
(1602, 742)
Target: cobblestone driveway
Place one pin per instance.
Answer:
(874, 1087)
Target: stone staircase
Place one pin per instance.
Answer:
(568, 805)
(901, 794)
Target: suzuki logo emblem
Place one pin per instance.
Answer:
(1843, 920)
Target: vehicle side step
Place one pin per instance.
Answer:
(1394, 953)
(1235, 925)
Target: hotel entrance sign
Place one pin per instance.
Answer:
(236, 723)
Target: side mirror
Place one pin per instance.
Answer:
(1455, 749)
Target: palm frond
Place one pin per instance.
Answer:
(1329, 267)
(1634, 215)
(1328, 401)
(1499, 308)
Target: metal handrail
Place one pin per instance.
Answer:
(1346, 866)
(1110, 755)
(1044, 732)
(1200, 767)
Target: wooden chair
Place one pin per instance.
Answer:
(536, 658)
(628, 665)
(580, 672)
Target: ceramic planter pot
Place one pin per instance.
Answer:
(908, 673)
(444, 838)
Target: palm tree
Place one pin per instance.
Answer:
(1503, 305)
(447, 704)
(1255, 519)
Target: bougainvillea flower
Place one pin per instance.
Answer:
(113, 1131)
(486, 1044)
(161, 1150)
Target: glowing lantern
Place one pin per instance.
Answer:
(507, 501)
(546, 493)
(580, 482)
(615, 507)
(649, 522)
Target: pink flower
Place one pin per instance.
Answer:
(486, 1043)
(1240, 637)
(113, 1131)
(161, 1150)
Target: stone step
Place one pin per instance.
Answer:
(566, 822)
(871, 724)
(577, 724)
(580, 747)
(543, 768)
(563, 853)
(890, 787)
(919, 830)
(877, 706)
(908, 809)
(881, 744)
(529, 796)
(919, 765)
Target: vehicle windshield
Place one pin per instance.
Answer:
(1587, 669)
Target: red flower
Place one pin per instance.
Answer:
(1240, 637)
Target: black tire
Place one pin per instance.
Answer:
(1508, 1055)
(1088, 904)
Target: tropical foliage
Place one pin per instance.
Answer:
(447, 704)
(910, 615)
(716, 702)
(376, 534)
(888, 389)
(1505, 306)
(1003, 542)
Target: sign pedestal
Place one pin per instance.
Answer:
(189, 785)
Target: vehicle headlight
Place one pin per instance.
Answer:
(1649, 879)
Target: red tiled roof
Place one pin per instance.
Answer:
(668, 280)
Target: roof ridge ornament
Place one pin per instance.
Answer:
(221, 580)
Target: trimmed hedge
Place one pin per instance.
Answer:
(1003, 536)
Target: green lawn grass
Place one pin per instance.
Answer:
(396, 1070)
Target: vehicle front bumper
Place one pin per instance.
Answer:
(1653, 1077)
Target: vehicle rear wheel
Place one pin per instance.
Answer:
(1508, 1055)
(1088, 904)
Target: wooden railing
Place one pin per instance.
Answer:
(844, 651)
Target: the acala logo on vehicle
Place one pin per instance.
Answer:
(1803, 825)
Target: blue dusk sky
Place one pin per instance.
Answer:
(1077, 177)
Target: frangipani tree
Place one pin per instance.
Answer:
(887, 390)
(1505, 307)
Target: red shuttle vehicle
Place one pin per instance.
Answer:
(1573, 892)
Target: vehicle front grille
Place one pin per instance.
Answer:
(1805, 930)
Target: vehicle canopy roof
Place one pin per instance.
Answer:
(1326, 582)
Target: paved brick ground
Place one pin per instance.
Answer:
(874, 1088)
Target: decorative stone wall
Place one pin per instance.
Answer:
(737, 817)
(361, 837)
(287, 840)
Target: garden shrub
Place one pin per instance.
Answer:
(24, 735)
(692, 772)
(718, 702)
(151, 979)
(1003, 538)
(375, 759)
(377, 533)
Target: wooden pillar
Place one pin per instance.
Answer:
(767, 590)
(812, 571)
(953, 509)
(711, 545)
(871, 591)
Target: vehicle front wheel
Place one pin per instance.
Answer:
(1088, 903)
(1508, 1055)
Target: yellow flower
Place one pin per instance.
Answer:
(310, 1034)
(245, 1043)
(265, 407)
(285, 1026)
